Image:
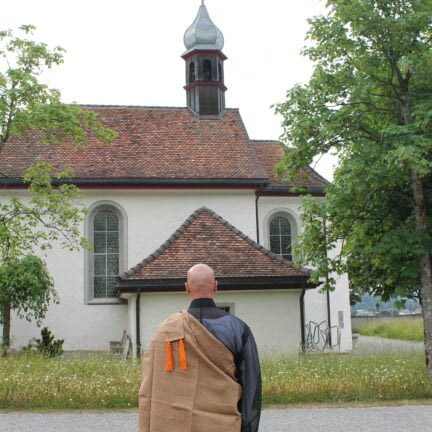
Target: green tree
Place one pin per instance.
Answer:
(25, 287)
(49, 213)
(369, 100)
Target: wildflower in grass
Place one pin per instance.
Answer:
(98, 383)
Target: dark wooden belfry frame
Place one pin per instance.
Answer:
(205, 87)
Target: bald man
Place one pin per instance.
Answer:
(201, 372)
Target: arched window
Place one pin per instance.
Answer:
(191, 72)
(207, 70)
(280, 236)
(106, 229)
(105, 253)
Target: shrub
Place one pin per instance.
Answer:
(47, 346)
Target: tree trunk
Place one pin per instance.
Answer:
(6, 327)
(425, 267)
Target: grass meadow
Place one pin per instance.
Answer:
(407, 329)
(33, 382)
(332, 378)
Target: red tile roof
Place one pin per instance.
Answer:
(153, 143)
(270, 154)
(207, 237)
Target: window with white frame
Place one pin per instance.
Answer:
(280, 236)
(106, 232)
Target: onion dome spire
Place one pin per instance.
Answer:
(203, 33)
(205, 88)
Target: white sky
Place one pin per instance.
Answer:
(128, 52)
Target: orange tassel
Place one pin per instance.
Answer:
(183, 362)
(169, 359)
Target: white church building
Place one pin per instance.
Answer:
(180, 186)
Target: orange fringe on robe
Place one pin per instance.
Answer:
(169, 356)
(188, 381)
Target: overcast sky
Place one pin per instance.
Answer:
(128, 52)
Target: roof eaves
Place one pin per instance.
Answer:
(252, 182)
(224, 284)
(292, 190)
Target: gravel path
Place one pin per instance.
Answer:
(368, 344)
(414, 418)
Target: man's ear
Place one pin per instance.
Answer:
(215, 286)
(187, 287)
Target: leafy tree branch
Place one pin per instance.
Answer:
(369, 101)
(49, 211)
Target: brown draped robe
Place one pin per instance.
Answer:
(203, 396)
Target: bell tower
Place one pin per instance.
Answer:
(204, 59)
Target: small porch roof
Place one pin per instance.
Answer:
(238, 261)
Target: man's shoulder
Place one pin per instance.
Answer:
(239, 322)
(174, 317)
(174, 323)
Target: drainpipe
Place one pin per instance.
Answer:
(137, 313)
(328, 319)
(302, 319)
(256, 215)
(328, 292)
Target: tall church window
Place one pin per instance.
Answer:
(106, 229)
(207, 70)
(280, 236)
(105, 254)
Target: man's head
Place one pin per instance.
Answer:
(201, 281)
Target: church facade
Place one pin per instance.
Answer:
(177, 187)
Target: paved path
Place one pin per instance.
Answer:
(415, 418)
(368, 344)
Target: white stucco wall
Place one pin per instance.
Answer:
(315, 301)
(152, 216)
(340, 311)
(273, 316)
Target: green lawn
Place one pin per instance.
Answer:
(346, 378)
(404, 329)
(35, 382)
